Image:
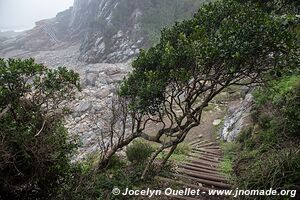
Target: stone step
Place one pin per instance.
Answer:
(213, 148)
(207, 159)
(196, 152)
(203, 152)
(207, 144)
(200, 143)
(200, 155)
(197, 141)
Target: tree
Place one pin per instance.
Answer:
(226, 43)
(34, 146)
(119, 130)
(278, 6)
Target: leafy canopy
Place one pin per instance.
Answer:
(226, 42)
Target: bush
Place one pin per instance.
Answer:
(87, 184)
(274, 169)
(183, 149)
(34, 147)
(230, 149)
(139, 151)
(282, 98)
(269, 156)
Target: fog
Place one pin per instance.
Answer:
(22, 14)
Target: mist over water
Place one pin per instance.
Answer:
(20, 15)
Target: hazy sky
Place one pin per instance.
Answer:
(22, 14)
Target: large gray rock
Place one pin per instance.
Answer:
(245, 90)
(90, 79)
(238, 118)
(84, 107)
(102, 93)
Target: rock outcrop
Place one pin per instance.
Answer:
(91, 108)
(238, 118)
(87, 37)
(105, 31)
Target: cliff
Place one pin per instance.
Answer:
(104, 30)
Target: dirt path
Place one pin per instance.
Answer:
(206, 128)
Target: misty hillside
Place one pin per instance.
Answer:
(106, 31)
(153, 99)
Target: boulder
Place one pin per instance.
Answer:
(84, 107)
(102, 93)
(90, 79)
(245, 90)
(238, 118)
(112, 71)
(217, 122)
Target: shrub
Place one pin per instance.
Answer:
(282, 100)
(274, 169)
(183, 148)
(34, 147)
(139, 151)
(87, 184)
(270, 157)
(230, 149)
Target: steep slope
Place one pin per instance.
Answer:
(105, 30)
(96, 38)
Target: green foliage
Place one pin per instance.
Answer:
(183, 149)
(278, 169)
(281, 96)
(86, 184)
(139, 151)
(230, 152)
(155, 14)
(245, 139)
(268, 154)
(225, 37)
(226, 167)
(230, 149)
(34, 147)
(278, 6)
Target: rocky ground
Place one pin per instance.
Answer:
(91, 106)
(94, 31)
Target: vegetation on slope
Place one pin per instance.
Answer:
(34, 146)
(226, 43)
(267, 154)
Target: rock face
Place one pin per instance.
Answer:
(238, 118)
(105, 31)
(92, 104)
